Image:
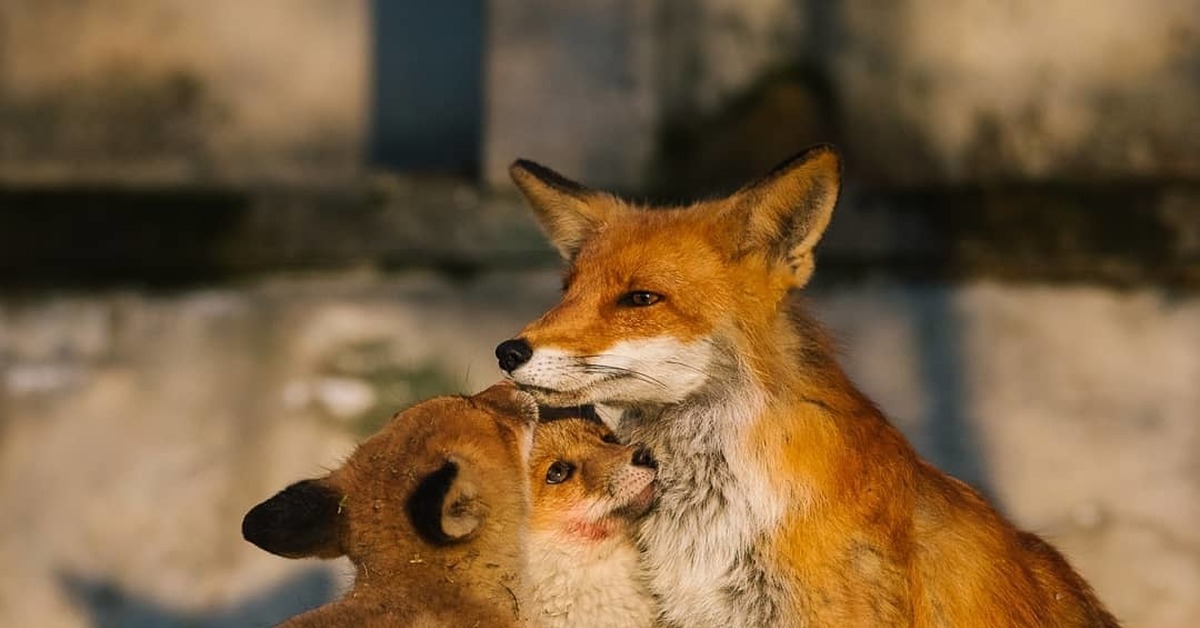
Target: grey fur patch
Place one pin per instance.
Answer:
(699, 495)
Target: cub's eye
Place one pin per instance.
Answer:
(559, 472)
(639, 298)
(611, 439)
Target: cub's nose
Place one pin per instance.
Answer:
(513, 353)
(643, 458)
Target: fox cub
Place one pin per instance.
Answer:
(785, 498)
(588, 493)
(432, 511)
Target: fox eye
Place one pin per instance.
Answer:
(560, 471)
(611, 439)
(639, 298)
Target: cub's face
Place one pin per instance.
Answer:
(439, 474)
(586, 486)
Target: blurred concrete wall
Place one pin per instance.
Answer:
(635, 95)
(1024, 89)
(915, 91)
(571, 84)
(174, 91)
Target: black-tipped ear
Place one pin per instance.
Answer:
(445, 507)
(785, 213)
(299, 521)
(560, 205)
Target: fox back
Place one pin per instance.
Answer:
(785, 497)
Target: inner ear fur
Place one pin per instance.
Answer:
(445, 508)
(785, 213)
(560, 205)
(300, 521)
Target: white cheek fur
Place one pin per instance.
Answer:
(656, 370)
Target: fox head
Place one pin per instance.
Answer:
(440, 475)
(586, 485)
(659, 301)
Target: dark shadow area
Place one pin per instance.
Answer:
(70, 236)
(1112, 233)
(949, 440)
(702, 156)
(84, 237)
(108, 605)
(427, 92)
(115, 116)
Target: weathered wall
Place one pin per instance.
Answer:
(627, 94)
(1020, 90)
(572, 85)
(138, 428)
(180, 92)
(915, 91)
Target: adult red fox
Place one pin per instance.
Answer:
(785, 497)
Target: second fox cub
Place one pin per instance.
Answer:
(588, 492)
(785, 498)
(431, 510)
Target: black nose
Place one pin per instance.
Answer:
(513, 353)
(643, 458)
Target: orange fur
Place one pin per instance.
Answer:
(857, 530)
(432, 510)
(584, 502)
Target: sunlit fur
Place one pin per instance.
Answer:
(622, 373)
(406, 579)
(583, 561)
(785, 497)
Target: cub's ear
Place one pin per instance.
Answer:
(301, 520)
(506, 398)
(560, 205)
(785, 213)
(445, 507)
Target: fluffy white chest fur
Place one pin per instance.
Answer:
(598, 585)
(701, 542)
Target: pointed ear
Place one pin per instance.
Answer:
(301, 520)
(560, 205)
(785, 213)
(445, 507)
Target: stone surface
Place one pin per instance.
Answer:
(712, 51)
(1019, 90)
(919, 92)
(571, 85)
(1115, 233)
(137, 428)
(634, 95)
(174, 91)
